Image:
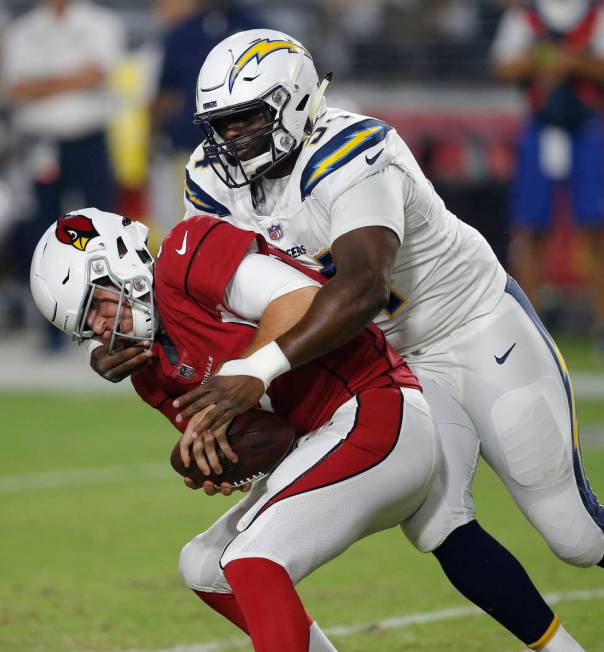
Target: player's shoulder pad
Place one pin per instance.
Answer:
(339, 141)
(181, 243)
(202, 252)
(203, 189)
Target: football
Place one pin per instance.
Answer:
(261, 440)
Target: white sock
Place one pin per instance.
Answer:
(318, 641)
(561, 641)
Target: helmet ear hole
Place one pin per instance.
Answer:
(302, 103)
(122, 250)
(144, 255)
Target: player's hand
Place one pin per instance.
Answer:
(559, 65)
(89, 76)
(565, 62)
(210, 489)
(114, 367)
(200, 444)
(230, 396)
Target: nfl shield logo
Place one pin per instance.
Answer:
(186, 371)
(275, 232)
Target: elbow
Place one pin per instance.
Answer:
(379, 303)
(373, 294)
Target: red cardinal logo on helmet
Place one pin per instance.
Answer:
(75, 230)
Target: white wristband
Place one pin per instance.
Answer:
(91, 345)
(265, 364)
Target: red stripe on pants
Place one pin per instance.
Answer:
(372, 438)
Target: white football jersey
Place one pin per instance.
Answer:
(356, 171)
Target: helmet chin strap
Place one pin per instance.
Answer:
(317, 99)
(254, 164)
(250, 167)
(143, 324)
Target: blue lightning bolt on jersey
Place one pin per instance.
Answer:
(341, 149)
(202, 201)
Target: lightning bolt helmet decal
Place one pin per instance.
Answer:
(259, 50)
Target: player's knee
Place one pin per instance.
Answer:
(199, 568)
(297, 566)
(188, 564)
(575, 539)
(569, 530)
(584, 554)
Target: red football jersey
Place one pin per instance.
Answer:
(197, 261)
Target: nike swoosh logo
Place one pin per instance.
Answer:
(504, 357)
(183, 249)
(373, 159)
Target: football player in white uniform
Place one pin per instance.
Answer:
(342, 193)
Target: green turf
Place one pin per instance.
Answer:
(579, 353)
(590, 413)
(94, 568)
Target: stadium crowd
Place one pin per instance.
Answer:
(146, 89)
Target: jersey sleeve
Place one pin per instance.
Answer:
(217, 251)
(377, 200)
(201, 190)
(513, 37)
(258, 281)
(350, 149)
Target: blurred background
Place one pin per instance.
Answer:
(96, 102)
(425, 67)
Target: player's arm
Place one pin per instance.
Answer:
(586, 65)
(364, 257)
(274, 295)
(280, 315)
(114, 367)
(367, 229)
(512, 53)
(517, 58)
(519, 69)
(88, 76)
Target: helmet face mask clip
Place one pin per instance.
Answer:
(124, 290)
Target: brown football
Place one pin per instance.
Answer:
(261, 440)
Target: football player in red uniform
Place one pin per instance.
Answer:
(367, 450)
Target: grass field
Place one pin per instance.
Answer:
(92, 522)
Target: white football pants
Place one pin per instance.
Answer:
(369, 468)
(499, 386)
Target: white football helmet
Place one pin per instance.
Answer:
(259, 71)
(90, 249)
